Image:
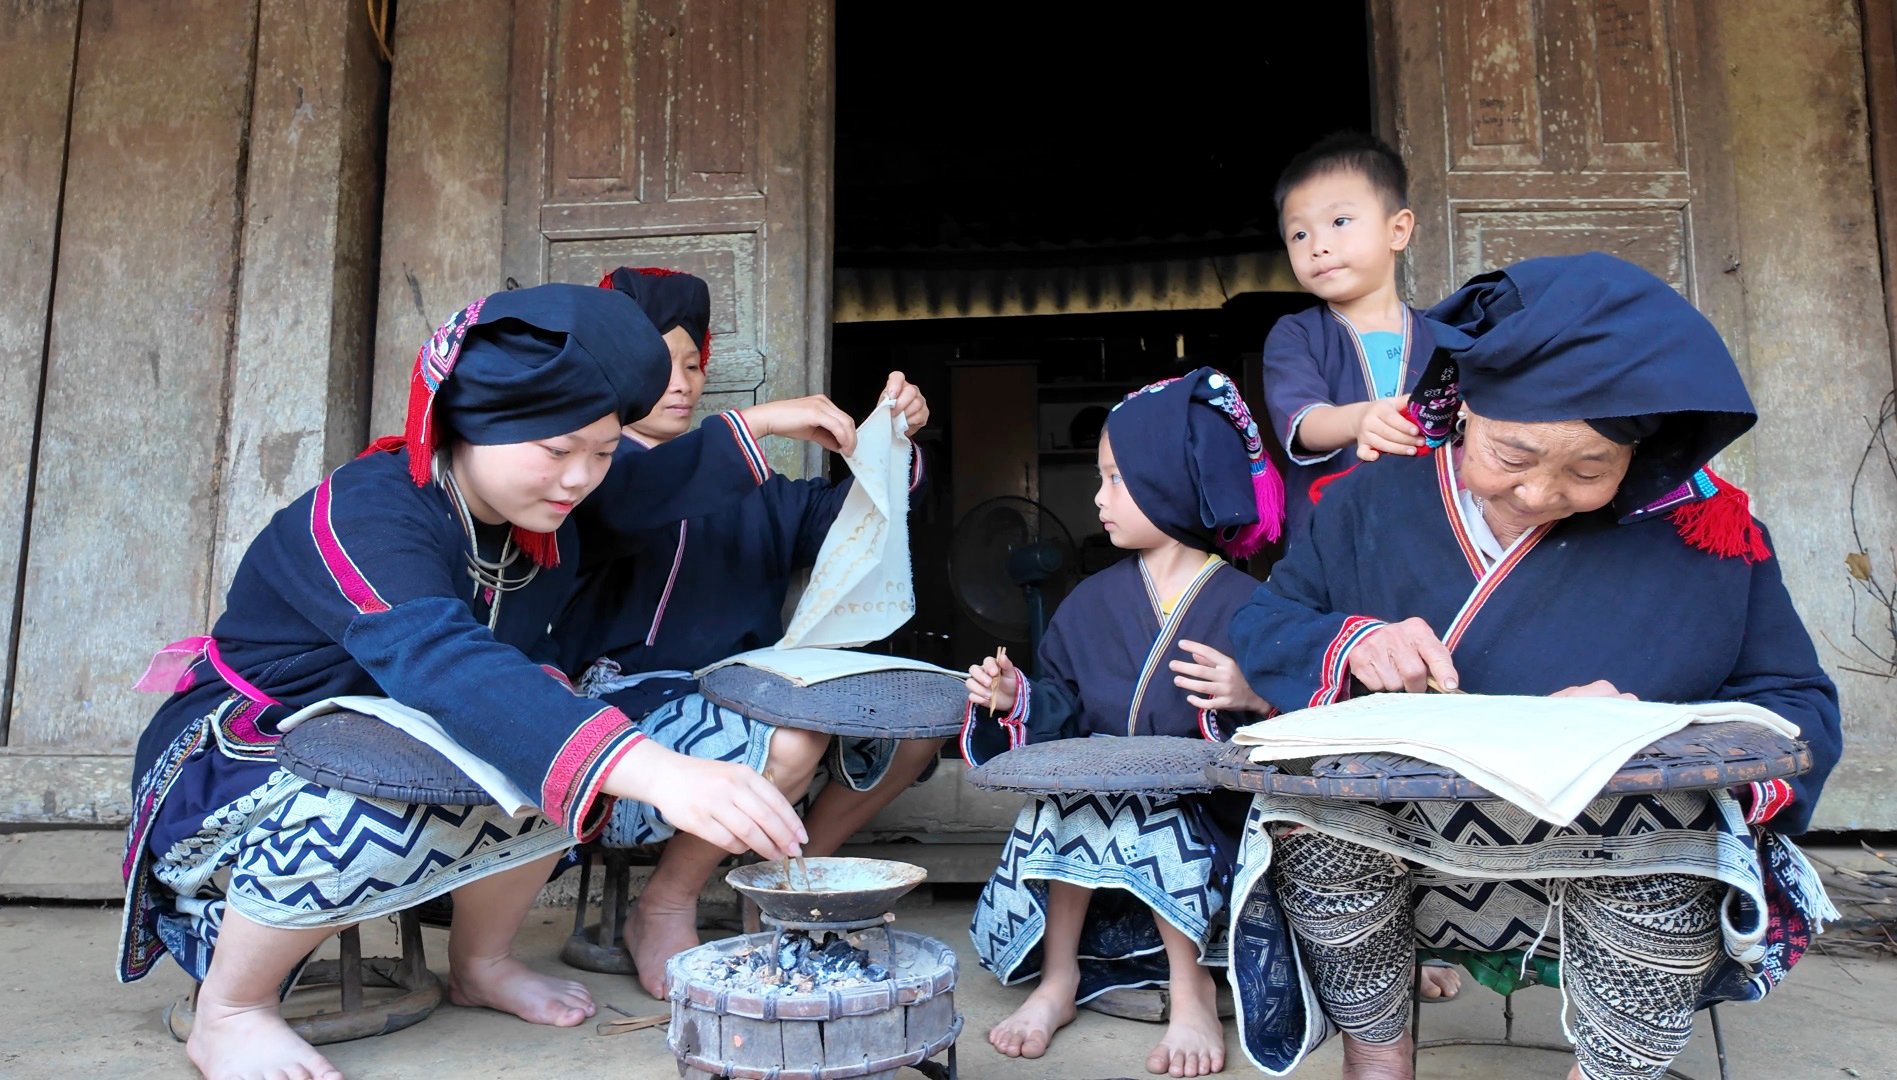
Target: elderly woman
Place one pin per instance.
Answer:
(1567, 540)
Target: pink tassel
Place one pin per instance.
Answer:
(170, 668)
(1268, 495)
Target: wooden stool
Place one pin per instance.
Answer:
(1697, 758)
(363, 755)
(1508, 1039)
(356, 1018)
(877, 705)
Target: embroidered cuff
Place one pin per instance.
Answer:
(1291, 437)
(747, 445)
(1767, 799)
(570, 794)
(1014, 722)
(558, 675)
(1334, 672)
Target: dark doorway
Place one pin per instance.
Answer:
(1086, 181)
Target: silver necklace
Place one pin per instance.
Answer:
(489, 576)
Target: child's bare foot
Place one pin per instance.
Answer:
(1031, 1028)
(1378, 1061)
(1195, 1040)
(1440, 983)
(656, 934)
(509, 986)
(251, 1043)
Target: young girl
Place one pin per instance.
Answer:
(1092, 887)
(428, 571)
(656, 605)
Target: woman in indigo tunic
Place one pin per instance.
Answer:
(427, 571)
(1099, 891)
(1569, 541)
(656, 605)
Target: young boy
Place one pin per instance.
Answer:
(1337, 374)
(1096, 892)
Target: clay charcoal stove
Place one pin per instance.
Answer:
(828, 993)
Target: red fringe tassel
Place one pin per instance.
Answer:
(1723, 524)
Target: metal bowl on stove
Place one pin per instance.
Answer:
(825, 890)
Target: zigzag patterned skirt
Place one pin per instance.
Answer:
(1490, 877)
(696, 728)
(1144, 857)
(303, 856)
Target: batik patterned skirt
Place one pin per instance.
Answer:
(1486, 875)
(695, 727)
(300, 855)
(1145, 857)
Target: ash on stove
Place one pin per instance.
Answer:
(803, 965)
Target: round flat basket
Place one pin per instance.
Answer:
(1145, 765)
(365, 756)
(1699, 758)
(878, 705)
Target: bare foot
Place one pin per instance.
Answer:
(1195, 1041)
(509, 986)
(254, 1042)
(1440, 983)
(1575, 1072)
(657, 935)
(1373, 1061)
(1031, 1028)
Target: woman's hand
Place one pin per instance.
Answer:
(719, 801)
(993, 684)
(1384, 428)
(813, 419)
(909, 401)
(1212, 681)
(1402, 656)
(1597, 688)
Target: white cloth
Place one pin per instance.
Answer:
(861, 588)
(423, 728)
(1550, 756)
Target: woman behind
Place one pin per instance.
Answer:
(428, 571)
(1568, 542)
(656, 605)
(1096, 892)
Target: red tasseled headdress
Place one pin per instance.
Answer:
(434, 363)
(704, 347)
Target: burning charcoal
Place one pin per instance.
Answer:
(793, 953)
(875, 972)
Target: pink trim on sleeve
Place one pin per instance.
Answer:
(342, 569)
(563, 791)
(1334, 672)
(747, 445)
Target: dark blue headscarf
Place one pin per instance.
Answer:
(1194, 463)
(530, 364)
(549, 360)
(670, 298)
(1594, 338)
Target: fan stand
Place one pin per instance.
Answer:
(1029, 566)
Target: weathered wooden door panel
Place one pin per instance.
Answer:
(36, 57)
(125, 497)
(1547, 127)
(694, 136)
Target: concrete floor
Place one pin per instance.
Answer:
(66, 1017)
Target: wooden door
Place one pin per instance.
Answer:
(1550, 127)
(692, 135)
